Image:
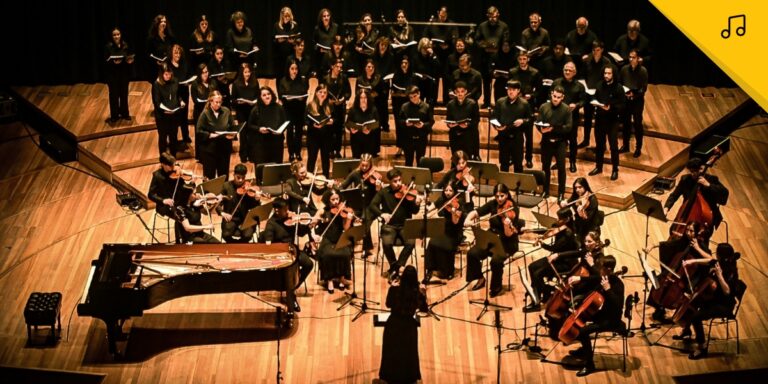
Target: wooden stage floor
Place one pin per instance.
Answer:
(54, 220)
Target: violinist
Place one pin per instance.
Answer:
(583, 202)
(368, 180)
(188, 217)
(564, 242)
(215, 146)
(713, 192)
(298, 189)
(363, 124)
(719, 303)
(164, 185)
(280, 229)
(462, 118)
(416, 118)
(506, 223)
(394, 204)
(459, 178)
(439, 256)
(608, 317)
(241, 197)
(333, 220)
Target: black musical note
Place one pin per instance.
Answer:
(740, 31)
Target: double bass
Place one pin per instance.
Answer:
(695, 208)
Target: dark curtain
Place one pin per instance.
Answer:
(61, 42)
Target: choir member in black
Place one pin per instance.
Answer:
(592, 72)
(370, 79)
(239, 198)
(215, 147)
(167, 103)
(462, 118)
(554, 123)
(401, 81)
(324, 35)
(441, 251)
(426, 67)
(400, 346)
(608, 317)
(280, 230)
(459, 178)
(470, 76)
(240, 40)
(339, 93)
(564, 256)
(501, 63)
(401, 34)
(302, 59)
(585, 206)
(119, 58)
(365, 47)
(285, 31)
(635, 77)
(535, 38)
(201, 88)
(529, 79)
(245, 95)
(579, 41)
(383, 205)
(489, 35)
(201, 42)
(499, 224)
(267, 116)
(319, 136)
(363, 112)
(337, 52)
(723, 271)
(165, 184)
(442, 38)
(181, 72)
(335, 264)
(294, 91)
(713, 191)
(159, 41)
(368, 181)
(610, 95)
(383, 57)
(634, 40)
(452, 63)
(552, 65)
(575, 96)
(514, 114)
(188, 218)
(297, 189)
(416, 118)
(218, 68)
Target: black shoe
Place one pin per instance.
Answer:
(545, 195)
(595, 171)
(684, 336)
(532, 308)
(698, 354)
(578, 352)
(624, 149)
(528, 164)
(589, 368)
(553, 167)
(637, 153)
(572, 168)
(615, 174)
(496, 291)
(583, 144)
(112, 120)
(480, 284)
(659, 316)
(296, 305)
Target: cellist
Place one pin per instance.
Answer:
(713, 192)
(608, 317)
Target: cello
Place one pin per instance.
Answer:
(671, 288)
(695, 207)
(561, 300)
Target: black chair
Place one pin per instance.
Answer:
(434, 164)
(483, 173)
(532, 198)
(622, 331)
(738, 293)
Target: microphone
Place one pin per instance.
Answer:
(628, 305)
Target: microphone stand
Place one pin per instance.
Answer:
(279, 325)
(427, 189)
(488, 142)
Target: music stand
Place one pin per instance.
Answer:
(489, 242)
(273, 175)
(434, 195)
(419, 176)
(213, 186)
(348, 239)
(353, 198)
(342, 168)
(255, 216)
(535, 300)
(649, 207)
(544, 220)
(482, 171)
(421, 229)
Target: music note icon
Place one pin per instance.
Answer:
(740, 31)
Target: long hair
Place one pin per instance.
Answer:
(409, 289)
(584, 183)
(211, 96)
(200, 36)
(315, 108)
(263, 88)
(367, 93)
(155, 27)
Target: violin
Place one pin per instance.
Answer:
(209, 200)
(303, 218)
(372, 176)
(187, 176)
(407, 193)
(465, 177)
(507, 211)
(251, 190)
(344, 212)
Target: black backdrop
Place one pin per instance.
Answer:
(61, 42)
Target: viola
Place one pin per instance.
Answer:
(695, 207)
(303, 218)
(344, 212)
(507, 211)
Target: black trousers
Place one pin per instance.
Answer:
(118, 98)
(556, 149)
(166, 129)
(364, 143)
(400, 131)
(337, 128)
(440, 255)
(585, 337)
(511, 151)
(215, 163)
(475, 258)
(528, 132)
(632, 117)
(573, 137)
(305, 267)
(606, 126)
(389, 234)
(415, 147)
(231, 232)
(589, 113)
(541, 269)
(319, 140)
(295, 131)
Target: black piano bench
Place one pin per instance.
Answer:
(43, 309)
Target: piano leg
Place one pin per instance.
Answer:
(114, 331)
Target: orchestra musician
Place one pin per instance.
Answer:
(714, 192)
(189, 226)
(297, 188)
(415, 116)
(215, 145)
(506, 223)
(368, 180)
(608, 317)
(394, 204)
(332, 221)
(584, 203)
(164, 185)
(462, 118)
(513, 114)
(241, 196)
(439, 256)
(459, 178)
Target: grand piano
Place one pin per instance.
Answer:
(128, 279)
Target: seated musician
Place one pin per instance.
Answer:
(608, 317)
(236, 205)
(335, 267)
(459, 178)
(281, 229)
(564, 242)
(584, 203)
(394, 204)
(714, 192)
(369, 182)
(298, 189)
(188, 218)
(722, 300)
(441, 251)
(162, 188)
(507, 226)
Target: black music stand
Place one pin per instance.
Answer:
(419, 176)
(489, 242)
(421, 229)
(521, 182)
(534, 300)
(543, 220)
(212, 186)
(348, 239)
(482, 171)
(342, 168)
(649, 207)
(256, 216)
(353, 198)
(274, 175)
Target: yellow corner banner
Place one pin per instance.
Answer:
(732, 33)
